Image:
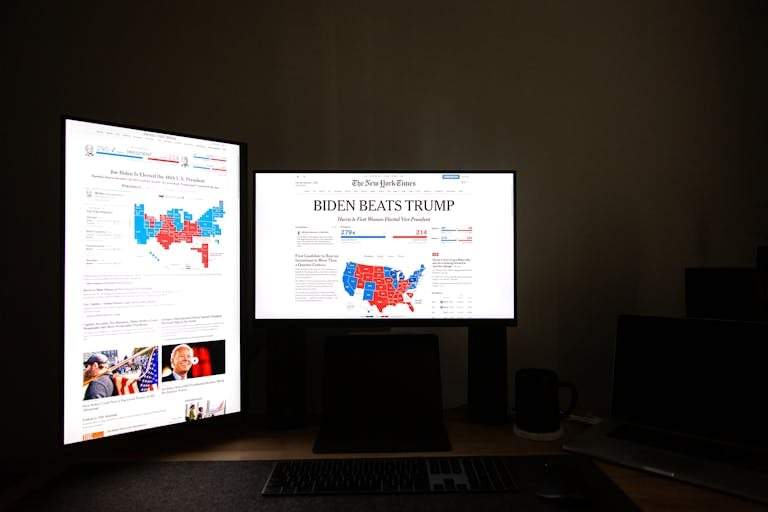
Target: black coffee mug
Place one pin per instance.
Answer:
(537, 404)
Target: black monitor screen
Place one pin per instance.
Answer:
(697, 376)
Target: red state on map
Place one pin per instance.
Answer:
(384, 293)
(387, 295)
(168, 234)
(203, 250)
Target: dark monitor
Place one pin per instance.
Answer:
(153, 265)
(734, 293)
(382, 393)
(704, 377)
(385, 247)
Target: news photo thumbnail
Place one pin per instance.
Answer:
(190, 360)
(197, 409)
(114, 372)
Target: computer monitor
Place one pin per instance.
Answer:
(385, 247)
(153, 260)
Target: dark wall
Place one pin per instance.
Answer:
(637, 128)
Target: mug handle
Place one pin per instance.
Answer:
(574, 397)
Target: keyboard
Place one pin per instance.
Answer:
(390, 476)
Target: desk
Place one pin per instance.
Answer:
(649, 492)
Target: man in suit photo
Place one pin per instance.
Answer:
(181, 362)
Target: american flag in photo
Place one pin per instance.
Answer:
(125, 385)
(148, 379)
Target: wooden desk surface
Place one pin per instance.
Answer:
(649, 492)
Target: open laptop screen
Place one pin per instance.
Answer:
(697, 376)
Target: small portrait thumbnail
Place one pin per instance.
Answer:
(195, 410)
(107, 373)
(190, 360)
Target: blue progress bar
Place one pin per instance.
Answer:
(118, 154)
(363, 236)
(450, 176)
(201, 157)
(200, 167)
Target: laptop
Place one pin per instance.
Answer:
(688, 401)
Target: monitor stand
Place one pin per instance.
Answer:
(382, 393)
(487, 374)
(286, 397)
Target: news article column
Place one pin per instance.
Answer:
(152, 273)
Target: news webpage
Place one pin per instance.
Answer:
(390, 245)
(152, 269)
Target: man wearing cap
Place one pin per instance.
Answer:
(102, 385)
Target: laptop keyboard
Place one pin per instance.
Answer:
(390, 476)
(697, 448)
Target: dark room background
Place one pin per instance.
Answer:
(638, 130)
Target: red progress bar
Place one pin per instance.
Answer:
(218, 159)
(409, 236)
(217, 169)
(163, 160)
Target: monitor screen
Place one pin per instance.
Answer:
(152, 269)
(698, 376)
(394, 245)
